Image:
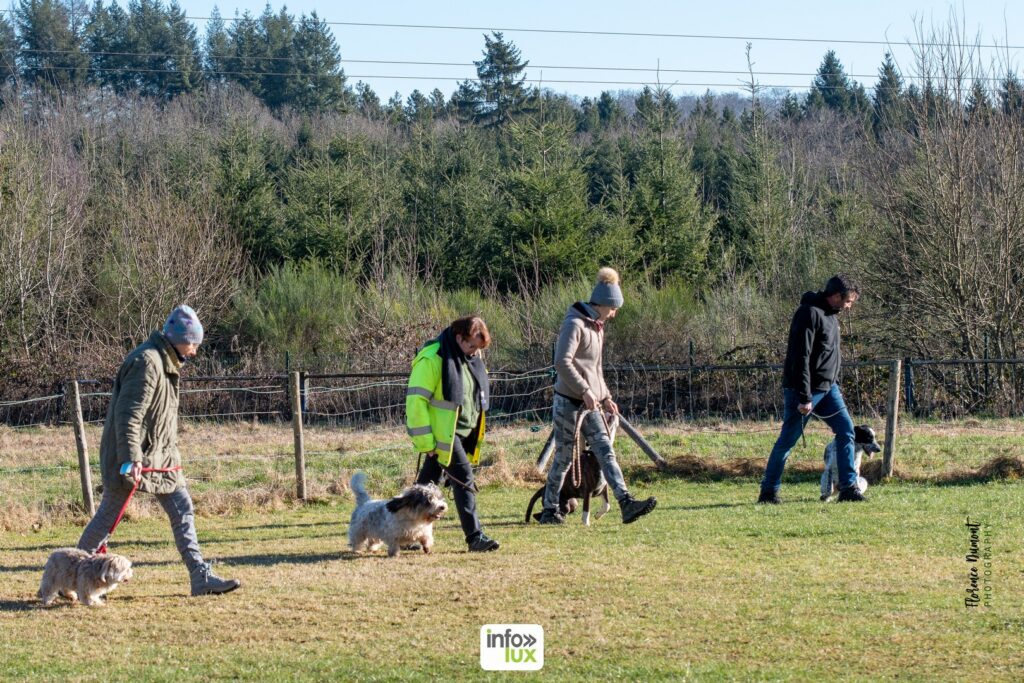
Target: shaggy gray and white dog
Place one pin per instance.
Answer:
(78, 575)
(405, 519)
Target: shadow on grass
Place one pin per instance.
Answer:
(286, 558)
(703, 470)
(48, 548)
(19, 605)
(303, 525)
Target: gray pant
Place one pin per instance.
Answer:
(594, 434)
(177, 505)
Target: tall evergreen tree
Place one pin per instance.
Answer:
(279, 66)
(979, 104)
(367, 102)
(672, 224)
(217, 48)
(151, 48)
(50, 32)
(545, 231)
(1011, 95)
(501, 89)
(890, 107)
(8, 50)
(833, 89)
(318, 83)
(609, 111)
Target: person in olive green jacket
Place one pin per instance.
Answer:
(445, 407)
(141, 431)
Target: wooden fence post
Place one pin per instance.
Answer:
(891, 417)
(300, 457)
(75, 408)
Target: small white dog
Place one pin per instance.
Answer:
(79, 575)
(405, 519)
(863, 442)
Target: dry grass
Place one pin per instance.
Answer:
(250, 465)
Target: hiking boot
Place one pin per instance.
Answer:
(483, 544)
(205, 582)
(851, 495)
(547, 516)
(769, 498)
(633, 509)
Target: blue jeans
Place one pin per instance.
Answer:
(832, 409)
(177, 505)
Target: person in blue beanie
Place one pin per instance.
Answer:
(140, 434)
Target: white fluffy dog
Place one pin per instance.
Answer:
(79, 575)
(405, 519)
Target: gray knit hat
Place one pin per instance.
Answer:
(606, 291)
(183, 326)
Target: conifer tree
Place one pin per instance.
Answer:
(8, 51)
(50, 33)
(501, 91)
(890, 108)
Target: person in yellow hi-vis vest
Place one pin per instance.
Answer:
(445, 407)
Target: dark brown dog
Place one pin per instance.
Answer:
(592, 484)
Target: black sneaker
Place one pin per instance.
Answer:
(851, 495)
(483, 544)
(546, 516)
(633, 509)
(768, 498)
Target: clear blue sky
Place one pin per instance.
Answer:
(891, 21)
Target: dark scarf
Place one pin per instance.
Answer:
(599, 324)
(452, 359)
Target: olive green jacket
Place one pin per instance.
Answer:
(142, 421)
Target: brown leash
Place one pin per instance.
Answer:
(575, 467)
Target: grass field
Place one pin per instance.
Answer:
(708, 587)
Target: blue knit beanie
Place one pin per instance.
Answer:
(607, 291)
(183, 326)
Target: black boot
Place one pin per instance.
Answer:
(633, 509)
(547, 516)
(768, 498)
(851, 495)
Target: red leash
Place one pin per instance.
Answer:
(103, 547)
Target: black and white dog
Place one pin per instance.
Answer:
(863, 442)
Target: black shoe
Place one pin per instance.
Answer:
(483, 544)
(633, 509)
(851, 495)
(549, 517)
(769, 498)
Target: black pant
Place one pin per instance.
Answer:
(459, 467)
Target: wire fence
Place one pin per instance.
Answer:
(931, 389)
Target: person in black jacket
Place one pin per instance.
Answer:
(810, 384)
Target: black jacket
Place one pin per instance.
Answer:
(812, 355)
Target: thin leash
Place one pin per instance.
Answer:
(803, 422)
(472, 488)
(103, 547)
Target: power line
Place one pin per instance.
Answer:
(624, 34)
(391, 62)
(537, 81)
